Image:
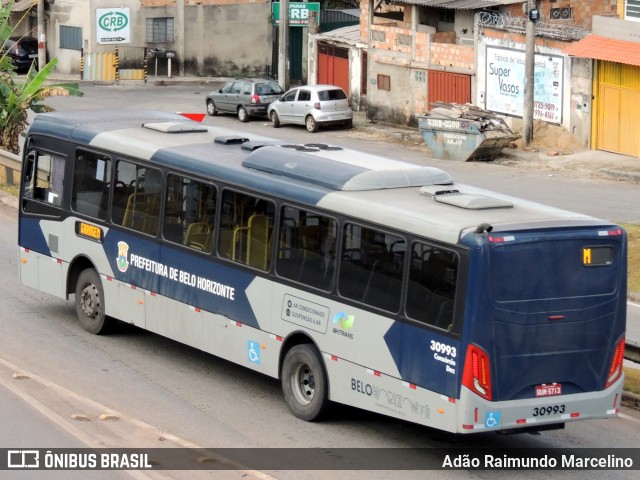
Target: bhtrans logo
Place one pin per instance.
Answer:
(345, 322)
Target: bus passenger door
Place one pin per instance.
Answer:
(41, 232)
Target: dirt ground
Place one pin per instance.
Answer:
(552, 137)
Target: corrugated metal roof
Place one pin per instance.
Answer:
(458, 4)
(609, 49)
(347, 35)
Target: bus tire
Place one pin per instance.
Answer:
(304, 383)
(90, 303)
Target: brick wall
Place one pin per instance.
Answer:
(520, 38)
(452, 55)
(582, 10)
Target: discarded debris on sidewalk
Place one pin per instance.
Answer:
(464, 132)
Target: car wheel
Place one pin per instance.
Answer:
(304, 383)
(211, 108)
(243, 115)
(311, 124)
(275, 120)
(348, 125)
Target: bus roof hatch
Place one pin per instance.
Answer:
(343, 169)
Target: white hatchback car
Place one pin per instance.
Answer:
(313, 106)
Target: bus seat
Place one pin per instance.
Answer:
(312, 270)
(142, 212)
(199, 236)
(258, 234)
(225, 243)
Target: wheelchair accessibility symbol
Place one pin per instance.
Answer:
(253, 351)
(492, 419)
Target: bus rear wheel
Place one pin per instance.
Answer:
(90, 303)
(304, 383)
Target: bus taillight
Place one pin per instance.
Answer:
(615, 370)
(477, 376)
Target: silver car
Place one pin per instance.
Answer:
(245, 97)
(313, 106)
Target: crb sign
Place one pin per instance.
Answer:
(113, 25)
(298, 13)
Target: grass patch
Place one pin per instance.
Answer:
(633, 232)
(632, 380)
(10, 189)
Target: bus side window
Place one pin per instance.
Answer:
(190, 212)
(246, 228)
(306, 249)
(432, 285)
(43, 177)
(371, 267)
(90, 190)
(138, 207)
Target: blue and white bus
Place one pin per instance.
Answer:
(352, 278)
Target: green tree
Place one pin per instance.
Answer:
(18, 96)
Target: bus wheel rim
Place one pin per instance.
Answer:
(303, 383)
(90, 301)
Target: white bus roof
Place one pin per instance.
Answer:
(401, 195)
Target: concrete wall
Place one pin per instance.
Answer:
(212, 33)
(616, 28)
(580, 105)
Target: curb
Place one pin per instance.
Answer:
(8, 200)
(630, 400)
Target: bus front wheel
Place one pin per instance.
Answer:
(304, 382)
(90, 302)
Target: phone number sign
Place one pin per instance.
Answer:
(505, 84)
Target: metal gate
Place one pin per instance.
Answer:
(121, 63)
(448, 87)
(617, 112)
(333, 66)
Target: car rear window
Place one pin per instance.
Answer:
(271, 88)
(335, 94)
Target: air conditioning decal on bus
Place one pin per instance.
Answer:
(305, 313)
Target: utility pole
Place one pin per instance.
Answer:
(42, 44)
(181, 39)
(529, 72)
(283, 45)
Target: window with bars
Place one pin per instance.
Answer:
(70, 37)
(160, 29)
(561, 13)
(632, 10)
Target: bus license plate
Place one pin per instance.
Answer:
(548, 390)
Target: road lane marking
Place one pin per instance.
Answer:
(153, 434)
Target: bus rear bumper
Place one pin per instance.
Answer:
(479, 415)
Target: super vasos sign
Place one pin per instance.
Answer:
(113, 25)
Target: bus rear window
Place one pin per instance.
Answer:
(552, 269)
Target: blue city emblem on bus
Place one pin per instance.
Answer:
(253, 351)
(345, 321)
(123, 252)
(492, 419)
